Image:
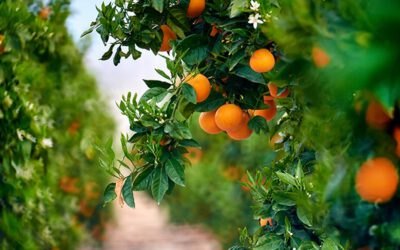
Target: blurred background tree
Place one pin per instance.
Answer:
(51, 114)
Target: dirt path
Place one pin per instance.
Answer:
(146, 228)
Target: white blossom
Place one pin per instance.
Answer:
(255, 20)
(47, 143)
(25, 173)
(254, 5)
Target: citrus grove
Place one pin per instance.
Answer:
(318, 80)
(49, 111)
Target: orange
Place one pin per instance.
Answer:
(69, 185)
(2, 49)
(262, 61)
(268, 113)
(243, 132)
(319, 57)
(229, 117)
(201, 86)
(266, 221)
(273, 91)
(44, 13)
(194, 155)
(232, 173)
(377, 180)
(168, 35)
(164, 141)
(268, 98)
(90, 190)
(207, 122)
(275, 139)
(214, 31)
(396, 135)
(73, 128)
(245, 180)
(85, 210)
(196, 7)
(376, 115)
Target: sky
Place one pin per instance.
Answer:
(113, 81)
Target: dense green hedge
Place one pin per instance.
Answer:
(50, 116)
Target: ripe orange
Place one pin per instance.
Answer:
(1, 43)
(262, 61)
(201, 86)
(164, 141)
(69, 185)
(232, 173)
(266, 221)
(194, 155)
(268, 113)
(196, 7)
(275, 139)
(319, 57)
(214, 31)
(376, 115)
(268, 98)
(377, 180)
(273, 91)
(207, 122)
(396, 135)
(85, 209)
(229, 117)
(168, 35)
(44, 13)
(73, 128)
(245, 179)
(243, 132)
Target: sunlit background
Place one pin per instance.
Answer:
(113, 81)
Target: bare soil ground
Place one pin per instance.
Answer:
(146, 228)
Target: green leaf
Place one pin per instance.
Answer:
(143, 179)
(157, 94)
(117, 56)
(189, 143)
(258, 124)
(234, 60)
(178, 130)
(196, 48)
(304, 215)
(108, 54)
(159, 185)
(287, 178)
(157, 84)
(237, 7)
(109, 194)
(175, 171)
(90, 30)
(214, 101)
(178, 21)
(127, 192)
(283, 198)
(163, 74)
(189, 93)
(329, 244)
(158, 5)
(246, 72)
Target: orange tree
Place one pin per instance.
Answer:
(302, 72)
(49, 108)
